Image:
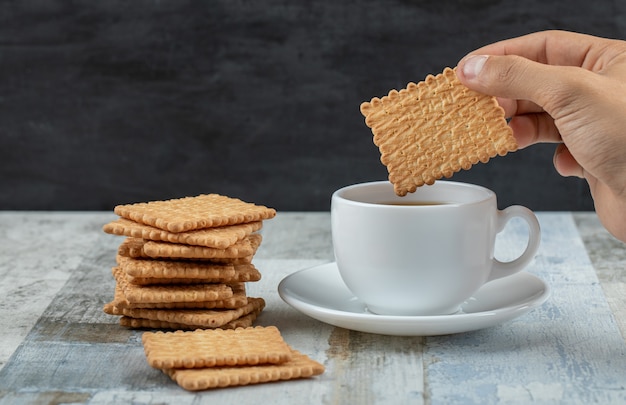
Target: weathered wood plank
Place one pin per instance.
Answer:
(38, 254)
(568, 351)
(608, 256)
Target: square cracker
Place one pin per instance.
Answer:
(134, 248)
(202, 318)
(196, 379)
(435, 128)
(166, 269)
(141, 248)
(190, 213)
(170, 293)
(238, 300)
(219, 237)
(243, 248)
(245, 321)
(214, 348)
(242, 273)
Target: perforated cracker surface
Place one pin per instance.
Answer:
(218, 237)
(170, 293)
(435, 128)
(242, 273)
(204, 318)
(243, 248)
(237, 300)
(134, 248)
(211, 348)
(166, 269)
(140, 323)
(300, 366)
(190, 213)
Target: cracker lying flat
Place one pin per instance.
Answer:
(141, 248)
(242, 273)
(245, 321)
(134, 248)
(189, 213)
(202, 318)
(220, 237)
(435, 128)
(170, 293)
(212, 348)
(237, 300)
(243, 248)
(300, 366)
(164, 269)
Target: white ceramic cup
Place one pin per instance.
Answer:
(422, 259)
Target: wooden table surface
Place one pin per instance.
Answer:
(57, 346)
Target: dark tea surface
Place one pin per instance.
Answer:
(410, 203)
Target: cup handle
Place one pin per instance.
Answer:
(503, 269)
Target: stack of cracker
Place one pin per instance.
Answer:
(184, 263)
(205, 359)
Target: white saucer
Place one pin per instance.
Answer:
(320, 293)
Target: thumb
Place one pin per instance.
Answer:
(511, 76)
(566, 164)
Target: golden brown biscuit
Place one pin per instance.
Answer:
(170, 293)
(214, 348)
(196, 379)
(245, 321)
(241, 249)
(219, 237)
(205, 318)
(435, 128)
(172, 269)
(238, 300)
(190, 213)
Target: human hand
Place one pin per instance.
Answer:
(569, 89)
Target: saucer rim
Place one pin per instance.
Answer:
(439, 324)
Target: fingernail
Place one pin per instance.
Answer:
(473, 65)
(555, 157)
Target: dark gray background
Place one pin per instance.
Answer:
(109, 102)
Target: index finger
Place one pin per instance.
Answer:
(517, 107)
(559, 48)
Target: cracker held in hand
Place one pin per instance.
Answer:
(191, 213)
(435, 128)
